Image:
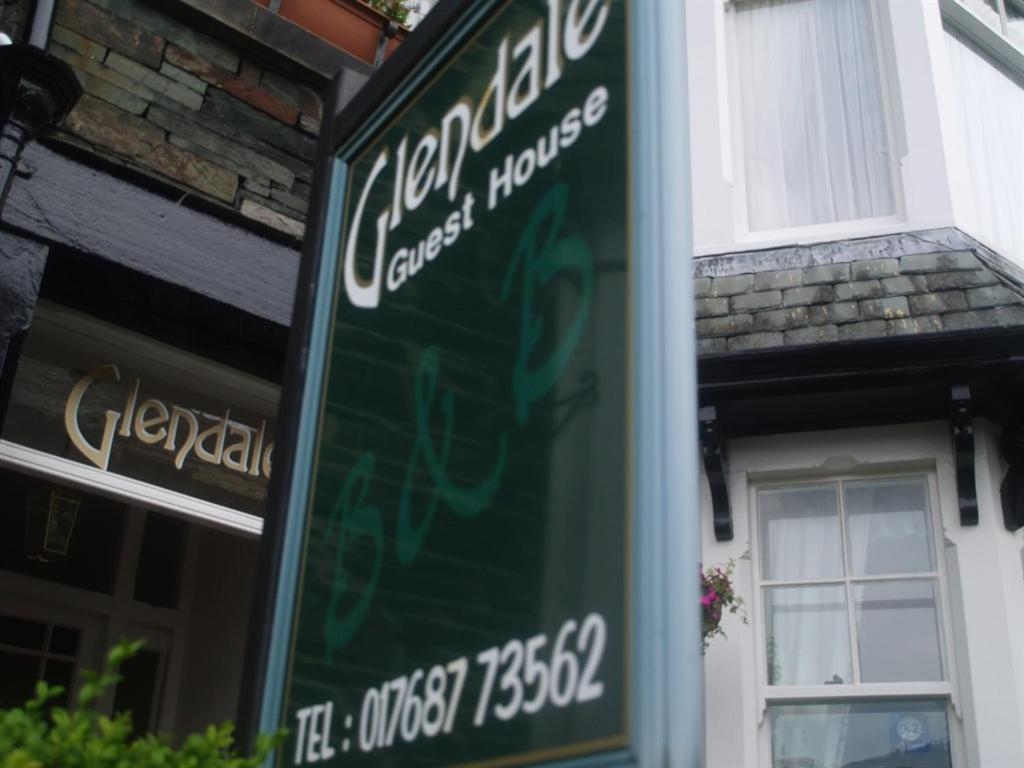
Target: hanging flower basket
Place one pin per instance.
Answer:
(718, 597)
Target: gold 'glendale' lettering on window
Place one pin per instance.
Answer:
(176, 429)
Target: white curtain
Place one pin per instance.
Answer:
(815, 144)
(992, 115)
(807, 635)
(807, 632)
(887, 527)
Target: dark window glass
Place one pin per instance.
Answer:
(139, 689)
(26, 662)
(94, 549)
(64, 640)
(22, 633)
(161, 559)
(18, 675)
(60, 673)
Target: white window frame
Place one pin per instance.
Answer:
(947, 689)
(926, 154)
(996, 43)
(744, 235)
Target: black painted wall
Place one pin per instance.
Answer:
(21, 273)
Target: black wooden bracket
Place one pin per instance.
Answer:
(712, 445)
(1011, 491)
(963, 451)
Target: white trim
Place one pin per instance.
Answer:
(42, 464)
(817, 694)
(991, 42)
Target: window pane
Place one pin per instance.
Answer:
(888, 527)
(161, 559)
(986, 10)
(139, 689)
(60, 673)
(64, 640)
(22, 633)
(897, 631)
(989, 99)
(880, 734)
(800, 537)
(807, 639)
(95, 547)
(18, 675)
(1015, 22)
(815, 142)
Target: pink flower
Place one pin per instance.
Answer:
(709, 599)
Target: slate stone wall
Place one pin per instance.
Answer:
(167, 99)
(827, 300)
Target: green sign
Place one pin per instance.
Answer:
(463, 590)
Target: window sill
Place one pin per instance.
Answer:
(848, 230)
(778, 693)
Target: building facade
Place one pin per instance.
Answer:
(859, 311)
(857, 172)
(150, 245)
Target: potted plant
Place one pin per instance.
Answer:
(717, 597)
(352, 25)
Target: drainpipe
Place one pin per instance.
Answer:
(389, 30)
(42, 23)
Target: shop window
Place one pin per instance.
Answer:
(139, 689)
(812, 126)
(161, 560)
(93, 545)
(35, 650)
(855, 655)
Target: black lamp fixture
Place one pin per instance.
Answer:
(50, 515)
(36, 91)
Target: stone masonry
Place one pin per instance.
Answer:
(867, 298)
(166, 99)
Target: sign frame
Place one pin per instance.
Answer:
(664, 722)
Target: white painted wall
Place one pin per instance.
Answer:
(984, 585)
(992, 590)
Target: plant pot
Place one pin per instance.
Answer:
(350, 25)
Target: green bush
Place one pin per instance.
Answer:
(40, 735)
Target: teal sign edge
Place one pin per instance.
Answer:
(666, 697)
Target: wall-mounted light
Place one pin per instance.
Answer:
(50, 515)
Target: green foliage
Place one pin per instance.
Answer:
(40, 735)
(393, 9)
